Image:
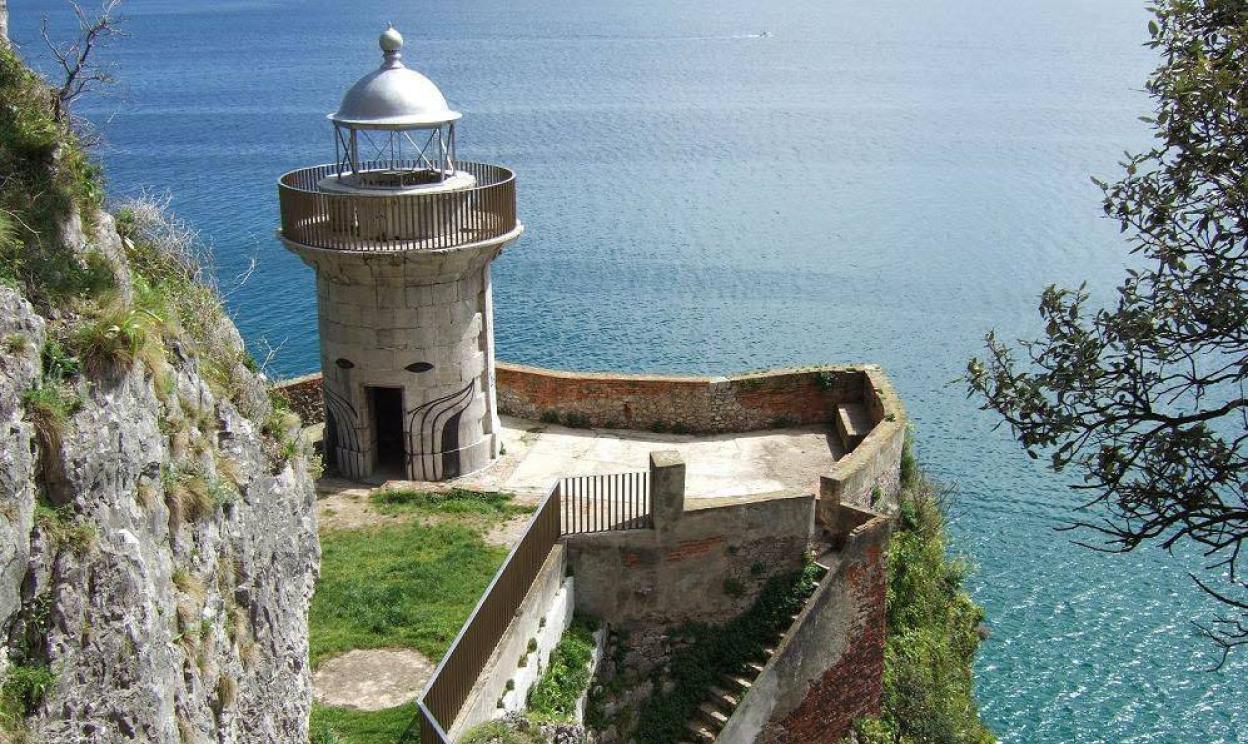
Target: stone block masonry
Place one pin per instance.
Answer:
(407, 360)
(704, 564)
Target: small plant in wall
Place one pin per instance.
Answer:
(734, 588)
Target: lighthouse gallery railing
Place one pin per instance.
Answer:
(382, 222)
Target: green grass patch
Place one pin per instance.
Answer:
(555, 695)
(932, 639)
(713, 651)
(499, 732)
(22, 690)
(330, 725)
(407, 585)
(455, 501)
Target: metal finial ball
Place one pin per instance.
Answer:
(390, 40)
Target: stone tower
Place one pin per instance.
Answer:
(401, 234)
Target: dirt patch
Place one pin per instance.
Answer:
(350, 509)
(507, 533)
(372, 679)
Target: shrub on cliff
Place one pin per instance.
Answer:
(932, 632)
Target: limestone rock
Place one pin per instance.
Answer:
(162, 621)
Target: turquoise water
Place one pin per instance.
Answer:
(865, 182)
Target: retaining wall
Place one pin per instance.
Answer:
(543, 615)
(869, 476)
(706, 565)
(828, 671)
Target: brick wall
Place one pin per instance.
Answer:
(829, 670)
(305, 396)
(868, 477)
(700, 405)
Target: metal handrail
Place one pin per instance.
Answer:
(606, 503)
(377, 221)
(457, 673)
(575, 505)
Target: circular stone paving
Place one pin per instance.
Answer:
(371, 679)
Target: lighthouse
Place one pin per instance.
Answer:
(401, 235)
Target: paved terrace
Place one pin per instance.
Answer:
(718, 465)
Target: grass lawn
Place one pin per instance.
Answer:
(342, 726)
(407, 585)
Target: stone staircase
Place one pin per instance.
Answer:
(722, 699)
(853, 424)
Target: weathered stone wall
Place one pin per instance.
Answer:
(829, 670)
(306, 397)
(645, 402)
(700, 405)
(869, 476)
(707, 566)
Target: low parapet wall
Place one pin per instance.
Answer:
(695, 405)
(828, 671)
(868, 477)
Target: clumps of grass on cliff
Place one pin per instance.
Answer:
(47, 176)
(109, 317)
(22, 691)
(932, 631)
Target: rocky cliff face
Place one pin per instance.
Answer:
(158, 542)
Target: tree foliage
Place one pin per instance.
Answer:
(1145, 398)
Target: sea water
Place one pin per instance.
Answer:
(711, 186)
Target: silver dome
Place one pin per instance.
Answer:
(392, 96)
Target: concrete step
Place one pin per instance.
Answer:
(725, 699)
(737, 682)
(712, 715)
(853, 424)
(702, 733)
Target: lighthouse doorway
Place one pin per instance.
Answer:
(386, 404)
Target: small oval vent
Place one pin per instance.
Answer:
(419, 367)
(344, 363)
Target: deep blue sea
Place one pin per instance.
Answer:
(724, 185)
